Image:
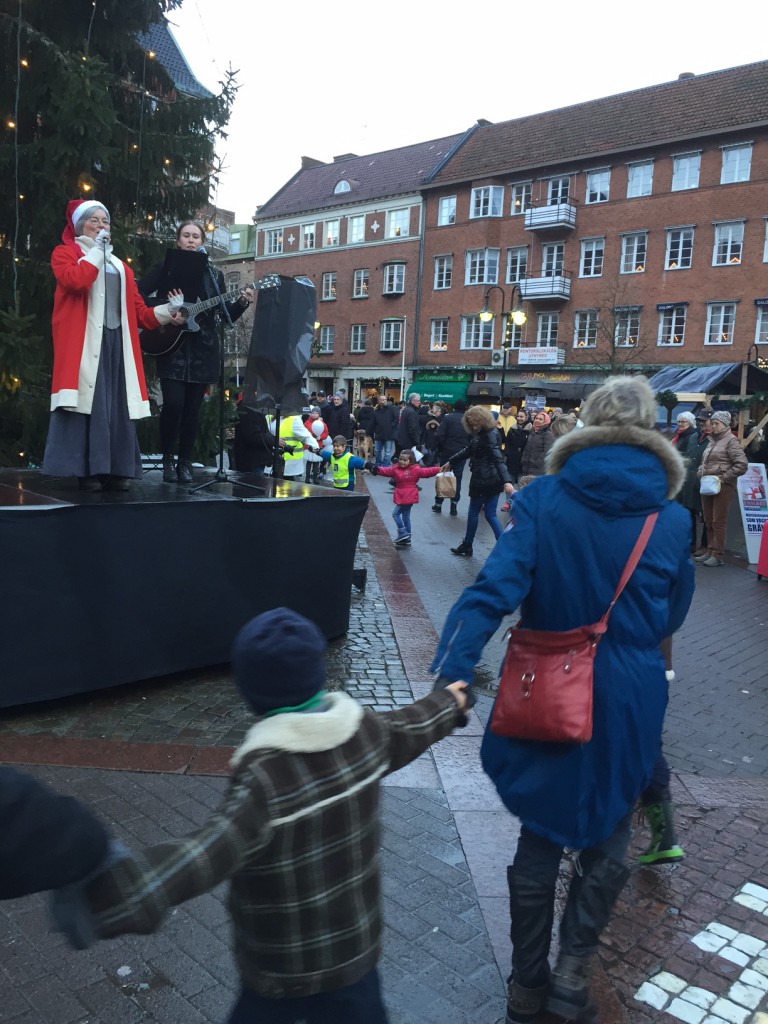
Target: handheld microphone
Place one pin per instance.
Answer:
(203, 249)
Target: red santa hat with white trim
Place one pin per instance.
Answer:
(77, 209)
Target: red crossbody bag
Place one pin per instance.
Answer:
(546, 685)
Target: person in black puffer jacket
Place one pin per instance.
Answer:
(452, 438)
(514, 445)
(538, 444)
(488, 474)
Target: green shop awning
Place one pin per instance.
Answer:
(439, 388)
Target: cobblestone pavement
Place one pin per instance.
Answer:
(688, 942)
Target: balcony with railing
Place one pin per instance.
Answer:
(546, 218)
(554, 286)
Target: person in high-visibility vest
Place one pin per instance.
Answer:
(343, 464)
(293, 435)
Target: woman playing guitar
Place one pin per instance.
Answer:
(187, 370)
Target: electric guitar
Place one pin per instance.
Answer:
(166, 339)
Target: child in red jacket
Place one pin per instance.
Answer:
(406, 475)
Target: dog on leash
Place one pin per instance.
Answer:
(363, 445)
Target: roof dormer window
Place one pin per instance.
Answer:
(342, 186)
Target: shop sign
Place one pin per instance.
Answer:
(540, 356)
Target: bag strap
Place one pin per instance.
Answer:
(634, 558)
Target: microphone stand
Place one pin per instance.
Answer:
(220, 476)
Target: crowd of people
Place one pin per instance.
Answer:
(298, 834)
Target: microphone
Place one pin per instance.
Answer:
(203, 249)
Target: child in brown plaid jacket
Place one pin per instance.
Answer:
(297, 835)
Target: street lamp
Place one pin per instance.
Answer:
(514, 318)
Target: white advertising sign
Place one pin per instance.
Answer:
(540, 356)
(753, 502)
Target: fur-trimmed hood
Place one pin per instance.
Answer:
(303, 732)
(650, 442)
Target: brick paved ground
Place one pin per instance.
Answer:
(446, 840)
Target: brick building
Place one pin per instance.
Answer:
(631, 230)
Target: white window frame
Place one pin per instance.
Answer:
(356, 229)
(634, 250)
(626, 326)
(679, 241)
(640, 179)
(513, 334)
(592, 257)
(598, 186)
(438, 334)
(728, 247)
(520, 197)
(308, 236)
(360, 283)
(487, 201)
(357, 338)
(481, 266)
(328, 288)
(330, 234)
(327, 339)
(585, 324)
(273, 241)
(475, 334)
(686, 168)
(761, 325)
(398, 222)
(547, 329)
(558, 190)
(517, 263)
(737, 163)
(765, 242)
(552, 259)
(394, 279)
(446, 211)
(672, 327)
(391, 336)
(721, 323)
(443, 273)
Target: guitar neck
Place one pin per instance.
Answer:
(199, 307)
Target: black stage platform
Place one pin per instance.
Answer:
(108, 588)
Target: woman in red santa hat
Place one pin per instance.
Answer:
(98, 379)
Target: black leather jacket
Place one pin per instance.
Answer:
(486, 464)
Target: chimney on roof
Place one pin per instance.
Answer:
(344, 156)
(685, 74)
(483, 123)
(309, 161)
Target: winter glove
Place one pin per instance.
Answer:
(175, 303)
(103, 237)
(373, 468)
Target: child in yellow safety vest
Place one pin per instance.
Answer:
(343, 464)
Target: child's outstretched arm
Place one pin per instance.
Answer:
(136, 893)
(418, 726)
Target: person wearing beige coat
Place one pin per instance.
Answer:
(725, 459)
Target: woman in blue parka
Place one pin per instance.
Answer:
(572, 534)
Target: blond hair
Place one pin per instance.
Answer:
(477, 418)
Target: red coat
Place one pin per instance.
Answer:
(406, 492)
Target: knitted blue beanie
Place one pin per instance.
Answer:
(278, 660)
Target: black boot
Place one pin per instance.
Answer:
(663, 848)
(184, 471)
(531, 914)
(169, 469)
(463, 549)
(438, 506)
(454, 509)
(591, 897)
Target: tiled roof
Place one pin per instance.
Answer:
(674, 111)
(160, 39)
(376, 176)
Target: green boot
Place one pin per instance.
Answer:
(663, 848)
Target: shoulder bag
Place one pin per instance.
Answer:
(546, 684)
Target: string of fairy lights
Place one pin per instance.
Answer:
(85, 183)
